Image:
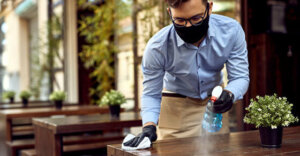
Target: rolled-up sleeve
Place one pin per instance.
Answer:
(238, 67)
(153, 73)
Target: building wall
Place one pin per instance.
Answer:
(71, 51)
(24, 54)
(27, 36)
(125, 80)
(124, 62)
(11, 54)
(22, 37)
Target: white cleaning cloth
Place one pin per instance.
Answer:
(146, 143)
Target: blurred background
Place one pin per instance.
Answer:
(87, 47)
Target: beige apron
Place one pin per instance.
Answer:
(181, 117)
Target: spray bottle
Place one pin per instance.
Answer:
(212, 122)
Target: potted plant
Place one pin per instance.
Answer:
(113, 99)
(58, 97)
(270, 114)
(25, 95)
(9, 95)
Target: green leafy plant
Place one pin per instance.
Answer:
(112, 98)
(57, 96)
(25, 94)
(270, 111)
(9, 94)
(98, 54)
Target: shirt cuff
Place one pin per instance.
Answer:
(238, 88)
(149, 117)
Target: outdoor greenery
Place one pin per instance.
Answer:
(270, 111)
(153, 23)
(25, 94)
(99, 30)
(43, 55)
(99, 51)
(9, 94)
(112, 98)
(57, 96)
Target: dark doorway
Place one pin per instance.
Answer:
(272, 28)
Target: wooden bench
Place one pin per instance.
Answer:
(22, 132)
(76, 147)
(55, 130)
(11, 118)
(71, 143)
(14, 146)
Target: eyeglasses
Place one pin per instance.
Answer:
(195, 20)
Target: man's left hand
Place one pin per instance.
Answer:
(224, 102)
(148, 131)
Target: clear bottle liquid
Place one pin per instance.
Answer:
(212, 122)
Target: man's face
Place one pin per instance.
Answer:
(190, 9)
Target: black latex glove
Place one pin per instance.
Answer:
(223, 104)
(148, 131)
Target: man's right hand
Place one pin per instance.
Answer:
(223, 104)
(148, 131)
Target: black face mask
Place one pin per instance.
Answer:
(193, 33)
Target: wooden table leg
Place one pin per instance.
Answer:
(46, 143)
(8, 130)
(3, 149)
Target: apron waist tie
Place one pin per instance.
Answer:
(176, 95)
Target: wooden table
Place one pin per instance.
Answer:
(53, 129)
(239, 143)
(7, 116)
(31, 105)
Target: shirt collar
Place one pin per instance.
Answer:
(210, 33)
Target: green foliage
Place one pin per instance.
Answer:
(270, 111)
(112, 97)
(57, 96)
(43, 55)
(99, 52)
(150, 22)
(8, 94)
(25, 94)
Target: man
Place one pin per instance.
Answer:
(186, 58)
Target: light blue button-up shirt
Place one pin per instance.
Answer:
(193, 71)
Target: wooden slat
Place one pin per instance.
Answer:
(28, 152)
(22, 128)
(21, 143)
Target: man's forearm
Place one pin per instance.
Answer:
(150, 108)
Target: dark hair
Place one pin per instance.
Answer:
(177, 3)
